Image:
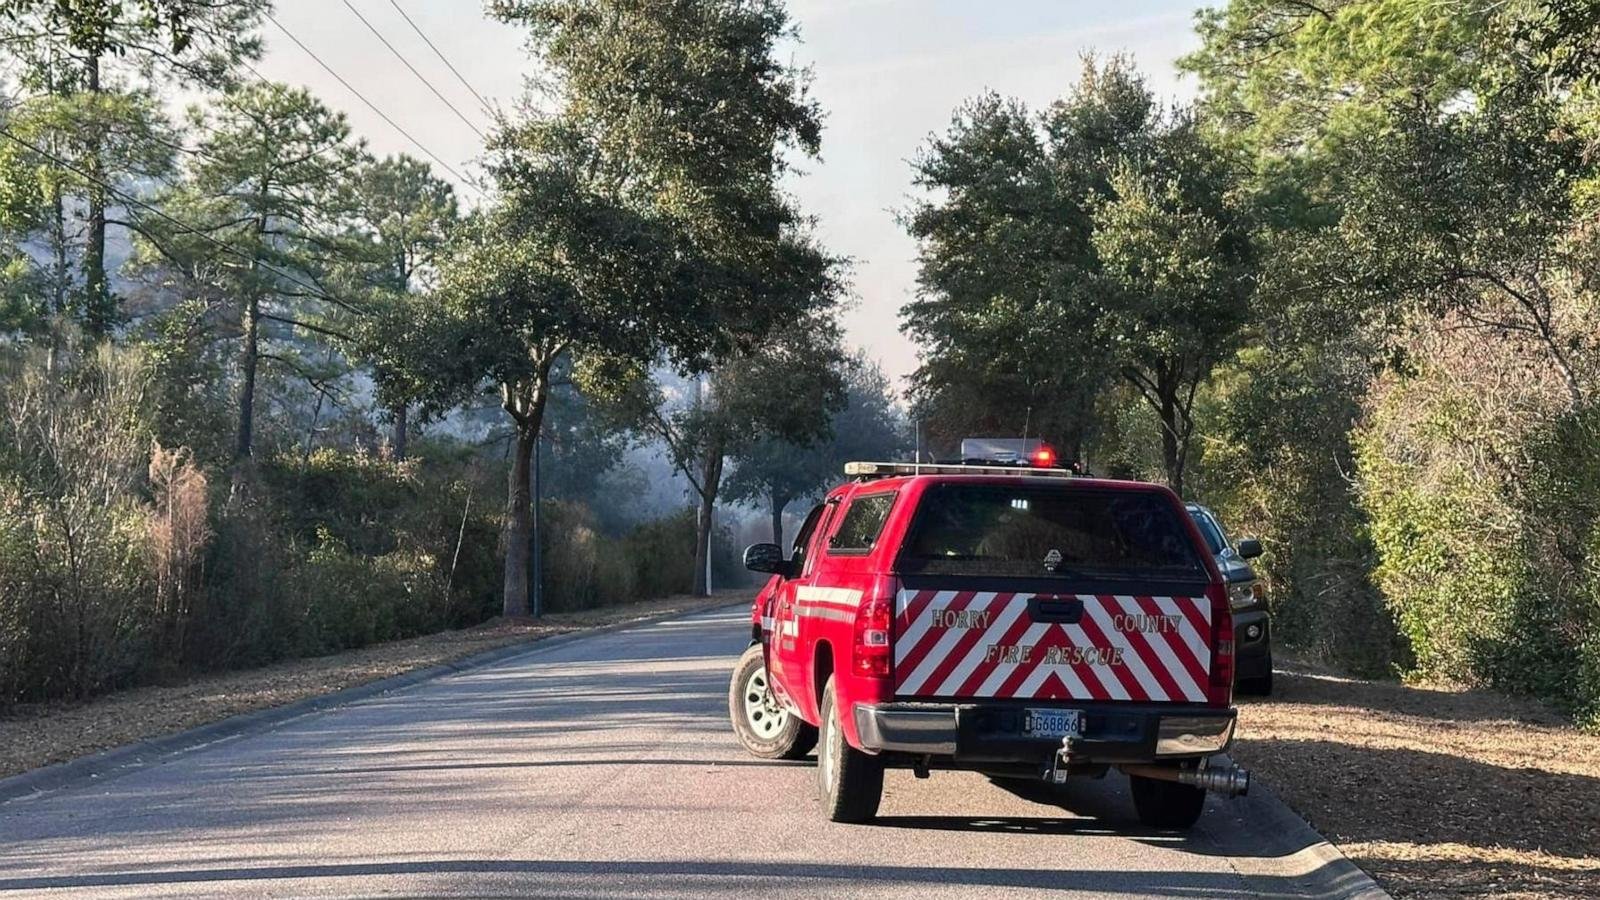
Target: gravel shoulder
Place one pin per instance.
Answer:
(1435, 792)
(52, 733)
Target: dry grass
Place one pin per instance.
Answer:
(53, 733)
(1435, 792)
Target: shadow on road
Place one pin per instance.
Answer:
(546, 763)
(686, 878)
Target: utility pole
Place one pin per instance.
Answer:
(535, 554)
(711, 531)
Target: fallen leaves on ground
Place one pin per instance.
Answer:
(1435, 792)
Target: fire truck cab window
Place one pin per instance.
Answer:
(802, 538)
(862, 522)
(1000, 530)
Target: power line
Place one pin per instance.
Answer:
(407, 63)
(442, 58)
(190, 229)
(372, 106)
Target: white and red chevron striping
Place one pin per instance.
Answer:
(1166, 663)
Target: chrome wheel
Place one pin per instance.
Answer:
(761, 708)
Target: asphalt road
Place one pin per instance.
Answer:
(601, 767)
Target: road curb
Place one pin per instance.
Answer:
(1287, 857)
(128, 758)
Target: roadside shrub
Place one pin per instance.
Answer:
(1482, 481)
(364, 500)
(245, 616)
(125, 558)
(74, 555)
(662, 554)
(583, 567)
(178, 528)
(1276, 463)
(355, 600)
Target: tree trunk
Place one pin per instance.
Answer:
(525, 403)
(519, 523)
(61, 278)
(99, 313)
(710, 484)
(397, 442)
(778, 505)
(1171, 458)
(249, 359)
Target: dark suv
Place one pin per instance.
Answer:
(1252, 626)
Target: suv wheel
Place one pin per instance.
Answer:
(1261, 686)
(850, 781)
(762, 725)
(1166, 804)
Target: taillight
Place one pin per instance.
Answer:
(1221, 688)
(871, 651)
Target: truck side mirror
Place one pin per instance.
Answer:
(768, 558)
(1249, 548)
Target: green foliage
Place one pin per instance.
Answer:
(91, 117)
(190, 471)
(269, 183)
(1485, 528)
(364, 599)
(194, 40)
(786, 390)
(1002, 263)
(62, 146)
(641, 220)
(118, 565)
(774, 471)
(1102, 229)
(75, 617)
(1409, 434)
(403, 217)
(1277, 465)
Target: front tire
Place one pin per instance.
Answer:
(1166, 804)
(764, 727)
(850, 781)
(1260, 686)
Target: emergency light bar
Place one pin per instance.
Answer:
(866, 470)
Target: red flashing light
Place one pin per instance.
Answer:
(1044, 457)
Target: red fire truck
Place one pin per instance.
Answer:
(1010, 619)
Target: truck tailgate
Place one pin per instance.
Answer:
(954, 645)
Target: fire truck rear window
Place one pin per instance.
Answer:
(1059, 531)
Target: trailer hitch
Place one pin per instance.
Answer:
(1056, 772)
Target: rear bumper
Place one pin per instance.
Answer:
(993, 733)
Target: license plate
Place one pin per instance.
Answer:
(1053, 723)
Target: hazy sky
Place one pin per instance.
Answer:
(889, 73)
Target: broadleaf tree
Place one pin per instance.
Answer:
(773, 471)
(1175, 279)
(1097, 242)
(1003, 245)
(787, 389)
(639, 219)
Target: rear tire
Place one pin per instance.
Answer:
(850, 781)
(1260, 686)
(1166, 804)
(764, 728)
